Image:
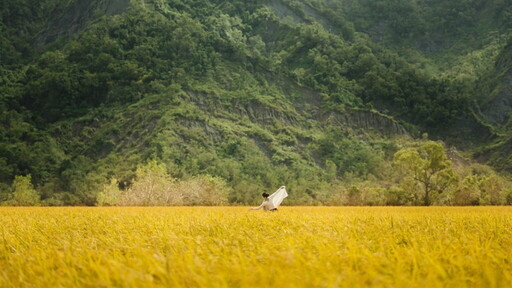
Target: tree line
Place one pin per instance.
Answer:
(424, 176)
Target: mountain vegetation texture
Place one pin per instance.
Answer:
(173, 102)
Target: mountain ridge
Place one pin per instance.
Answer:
(255, 93)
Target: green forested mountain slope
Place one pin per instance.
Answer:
(307, 93)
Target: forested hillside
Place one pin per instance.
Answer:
(229, 99)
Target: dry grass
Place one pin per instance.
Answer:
(232, 247)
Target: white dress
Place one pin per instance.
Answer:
(277, 198)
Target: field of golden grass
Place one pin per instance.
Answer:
(233, 247)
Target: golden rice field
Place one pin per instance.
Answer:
(234, 247)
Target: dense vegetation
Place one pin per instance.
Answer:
(247, 96)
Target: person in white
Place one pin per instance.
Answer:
(271, 202)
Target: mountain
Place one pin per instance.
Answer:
(309, 93)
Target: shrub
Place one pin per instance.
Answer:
(397, 197)
(24, 193)
(508, 198)
(205, 190)
(152, 186)
(109, 194)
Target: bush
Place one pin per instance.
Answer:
(62, 199)
(468, 192)
(397, 197)
(152, 186)
(508, 198)
(24, 193)
(205, 190)
(5, 191)
(109, 194)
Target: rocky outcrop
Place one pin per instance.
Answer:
(498, 111)
(366, 120)
(254, 110)
(348, 119)
(283, 11)
(264, 114)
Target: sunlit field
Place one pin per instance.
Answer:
(234, 247)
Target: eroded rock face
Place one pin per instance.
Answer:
(283, 11)
(74, 18)
(500, 108)
(366, 120)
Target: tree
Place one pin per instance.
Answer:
(205, 190)
(428, 167)
(24, 193)
(152, 186)
(110, 194)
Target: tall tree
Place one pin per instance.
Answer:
(428, 167)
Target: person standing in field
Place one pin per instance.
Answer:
(271, 202)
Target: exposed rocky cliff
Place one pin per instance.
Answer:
(366, 120)
(499, 109)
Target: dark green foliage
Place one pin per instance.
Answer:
(118, 60)
(350, 155)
